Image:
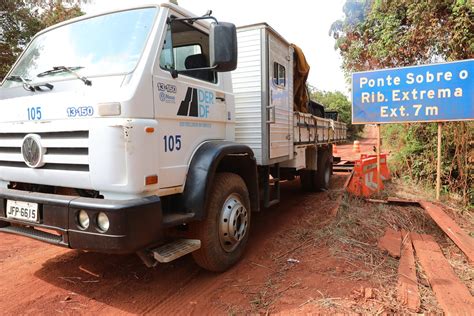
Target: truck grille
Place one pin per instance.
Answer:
(64, 150)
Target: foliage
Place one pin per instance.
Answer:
(337, 101)
(20, 20)
(414, 154)
(404, 32)
(381, 34)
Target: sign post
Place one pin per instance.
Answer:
(429, 93)
(438, 163)
(379, 177)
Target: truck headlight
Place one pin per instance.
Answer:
(103, 222)
(83, 219)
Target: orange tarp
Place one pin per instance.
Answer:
(300, 74)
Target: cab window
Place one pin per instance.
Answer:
(185, 48)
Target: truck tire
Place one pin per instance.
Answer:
(308, 180)
(323, 174)
(225, 231)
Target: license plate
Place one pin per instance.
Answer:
(22, 210)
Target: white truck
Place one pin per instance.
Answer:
(137, 131)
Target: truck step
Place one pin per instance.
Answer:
(175, 249)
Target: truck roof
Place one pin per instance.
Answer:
(263, 25)
(123, 7)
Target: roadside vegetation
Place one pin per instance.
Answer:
(379, 34)
(359, 224)
(337, 101)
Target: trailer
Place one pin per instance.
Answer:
(161, 142)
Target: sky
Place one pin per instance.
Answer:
(306, 25)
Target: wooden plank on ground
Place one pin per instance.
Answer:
(457, 235)
(395, 200)
(391, 242)
(452, 295)
(407, 292)
(348, 180)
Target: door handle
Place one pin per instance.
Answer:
(220, 96)
(271, 113)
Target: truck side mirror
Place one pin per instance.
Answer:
(223, 47)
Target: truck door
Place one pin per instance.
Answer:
(190, 108)
(279, 110)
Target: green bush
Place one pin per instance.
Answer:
(413, 155)
(337, 101)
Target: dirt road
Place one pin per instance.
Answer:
(39, 278)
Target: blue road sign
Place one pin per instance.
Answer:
(429, 93)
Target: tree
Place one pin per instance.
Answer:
(381, 34)
(392, 33)
(337, 101)
(20, 20)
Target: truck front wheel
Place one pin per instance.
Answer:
(225, 231)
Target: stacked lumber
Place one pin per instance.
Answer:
(452, 295)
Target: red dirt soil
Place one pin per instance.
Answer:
(40, 278)
(367, 145)
(44, 279)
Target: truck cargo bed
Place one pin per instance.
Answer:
(310, 129)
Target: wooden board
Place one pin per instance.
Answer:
(391, 242)
(452, 295)
(457, 235)
(395, 200)
(407, 291)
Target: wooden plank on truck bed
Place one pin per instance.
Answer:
(452, 295)
(457, 235)
(309, 129)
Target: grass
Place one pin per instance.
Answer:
(460, 265)
(353, 237)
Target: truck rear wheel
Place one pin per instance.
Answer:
(225, 231)
(308, 180)
(323, 174)
(314, 181)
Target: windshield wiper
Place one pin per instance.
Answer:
(59, 69)
(28, 86)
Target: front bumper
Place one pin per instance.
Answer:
(134, 224)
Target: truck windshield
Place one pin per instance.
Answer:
(103, 45)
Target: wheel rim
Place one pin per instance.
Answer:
(234, 221)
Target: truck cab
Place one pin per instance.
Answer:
(96, 128)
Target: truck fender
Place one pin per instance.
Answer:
(218, 156)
